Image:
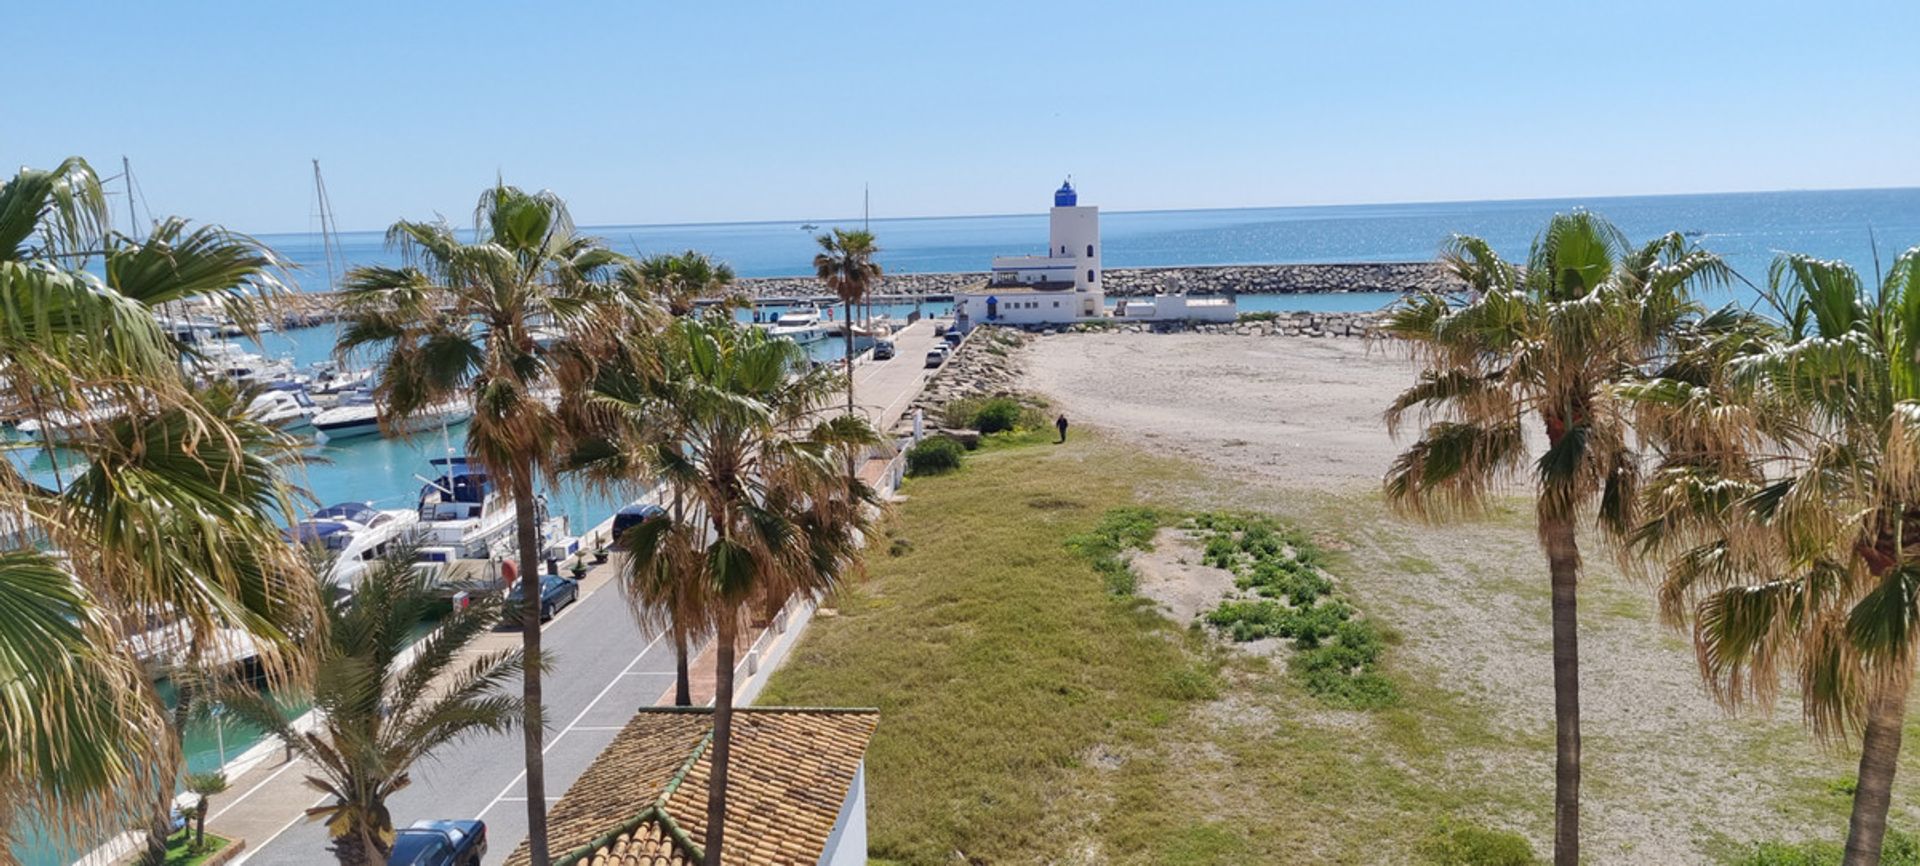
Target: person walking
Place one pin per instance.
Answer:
(1060, 424)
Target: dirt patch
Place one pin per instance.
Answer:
(1172, 575)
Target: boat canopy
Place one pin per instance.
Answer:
(358, 512)
(460, 481)
(313, 530)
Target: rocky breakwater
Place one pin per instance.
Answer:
(987, 364)
(1355, 325)
(1199, 279)
(1281, 279)
(891, 284)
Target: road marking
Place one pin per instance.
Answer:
(248, 854)
(249, 792)
(571, 725)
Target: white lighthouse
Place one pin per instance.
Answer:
(1060, 287)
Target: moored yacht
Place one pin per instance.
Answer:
(801, 326)
(357, 415)
(461, 514)
(283, 404)
(355, 533)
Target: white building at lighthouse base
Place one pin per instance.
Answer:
(1065, 287)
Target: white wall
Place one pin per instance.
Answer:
(847, 844)
(1176, 308)
(1027, 308)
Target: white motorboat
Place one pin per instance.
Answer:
(357, 415)
(355, 533)
(284, 404)
(461, 514)
(330, 379)
(801, 326)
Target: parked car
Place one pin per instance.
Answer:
(936, 357)
(952, 338)
(883, 350)
(556, 592)
(440, 843)
(939, 329)
(631, 516)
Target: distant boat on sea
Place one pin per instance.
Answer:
(807, 227)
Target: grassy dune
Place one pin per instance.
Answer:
(1029, 715)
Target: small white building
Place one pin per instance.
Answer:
(1064, 286)
(1212, 309)
(1060, 287)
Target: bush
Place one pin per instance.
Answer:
(1119, 530)
(998, 415)
(1899, 849)
(1259, 316)
(1458, 843)
(934, 455)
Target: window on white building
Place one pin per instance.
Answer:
(1089, 275)
(1089, 250)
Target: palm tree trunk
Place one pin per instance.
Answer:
(1879, 757)
(682, 685)
(529, 532)
(847, 328)
(200, 824)
(1563, 562)
(722, 736)
(682, 681)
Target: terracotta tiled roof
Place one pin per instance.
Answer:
(643, 802)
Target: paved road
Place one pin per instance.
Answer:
(604, 668)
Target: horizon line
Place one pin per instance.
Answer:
(1161, 210)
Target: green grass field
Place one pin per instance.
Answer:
(1028, 714)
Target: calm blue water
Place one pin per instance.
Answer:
(1746, 228)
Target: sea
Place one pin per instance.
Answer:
(1865, 227)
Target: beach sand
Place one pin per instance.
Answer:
(1292, 427)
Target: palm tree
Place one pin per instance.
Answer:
(1546, 342)
(769, 518)
(676, 280)
(164, 511)
(202, 786)
(379, 717)
(845, 263)
(511, 318)
(1783, 506)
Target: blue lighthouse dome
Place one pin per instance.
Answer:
(1065, 196)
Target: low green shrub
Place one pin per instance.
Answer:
(1336, 652)
(1119, 530)
(998, 415)
(934, 455)
(1899, 849)
(1459, 843)
(1259, 316)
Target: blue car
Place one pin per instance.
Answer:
(556, 592)
(440, 843)
(631, 516)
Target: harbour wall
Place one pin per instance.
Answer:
(1199, 279)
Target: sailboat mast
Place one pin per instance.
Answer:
(328, 245)
(126, 177)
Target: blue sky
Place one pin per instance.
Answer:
(642, 112)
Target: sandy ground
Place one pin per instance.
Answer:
(1302, 410)
(1172, 575)
(1292, 426)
